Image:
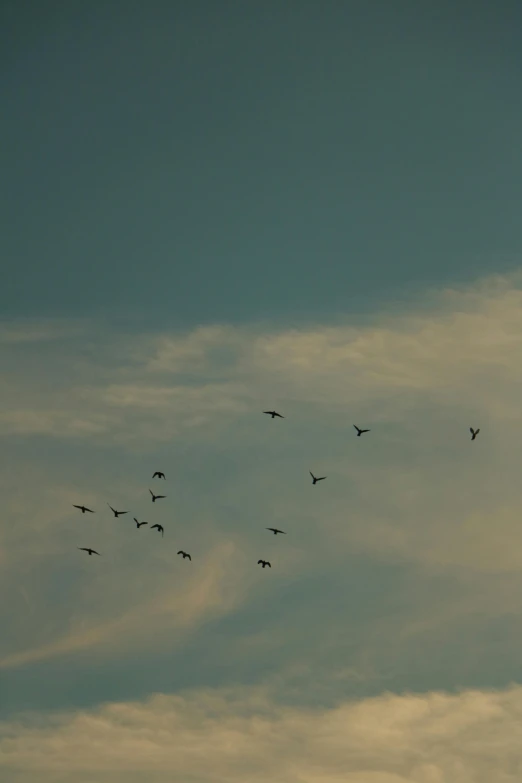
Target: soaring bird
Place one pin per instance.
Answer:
(185, 554)
(316, 479)
(275, 531)
(139, 524)
(273, 414)
(474, 433)
(90, 551)
(156, 497)
(83, 509)
(116, 513)
(264, 563)
(159, 474)
(360, 432)
(159, 527)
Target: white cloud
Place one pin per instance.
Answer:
(244, 735)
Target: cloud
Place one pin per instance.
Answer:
(433, 518)
(245, 735)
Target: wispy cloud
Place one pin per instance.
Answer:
(434, 516)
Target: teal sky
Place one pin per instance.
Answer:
(212, 209)
(227, 161)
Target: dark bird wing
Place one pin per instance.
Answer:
(151, 492)
(111, 508)
(278, 414)
(312, 475)
(321, 478)
(189, 557)
(260, 562)
(155, 474)
(83, 549)
(181, 552)
(95, 552)
(365, 430)
(356, 427)
(269, 564)
(160, 496)
(153, 526)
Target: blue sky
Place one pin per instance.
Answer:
(215, 209)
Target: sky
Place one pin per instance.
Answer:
(216, 209)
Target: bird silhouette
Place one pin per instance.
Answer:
(275, 531)
(139, 524)
(316, 479)
(273, 414)
(359, 431)
(116, 513)
(474, 433)
(264, 563)
(159, 474)
(159, 527)
(185, 554)
(83, 509)
(156, 497)
(90, 551)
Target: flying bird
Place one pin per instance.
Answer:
(139, 524)
(275, 531)
(156, 497)
(159, 474)
(185, 554)
(316, 479)
(360, 432)
(83, 509)
(273, 414)
(159, 527)
(264, 563)
(116, 513)
(474, 433)
(90, 551)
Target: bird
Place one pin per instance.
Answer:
(155, 497)
(139, 524)
(275, 531)
(474, 433)
(116, 513)
(185, 554)
(360, 432)
(316, 479)
(273, 414)
(264, 563)
(160, 529)
(159, 474)
(90, 551)
(83, 509)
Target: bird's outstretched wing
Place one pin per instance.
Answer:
(260, 562)
(269, 564)
(312, 475)
(159, 496)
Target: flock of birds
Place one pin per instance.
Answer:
(159, 474)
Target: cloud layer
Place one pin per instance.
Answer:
(246, 736)
(400, 571)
